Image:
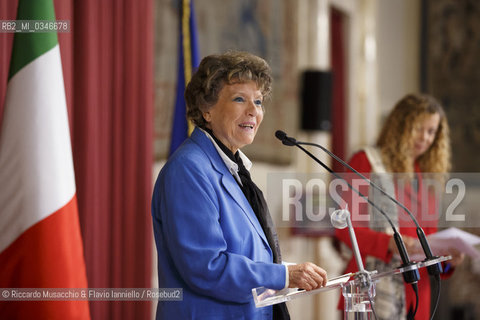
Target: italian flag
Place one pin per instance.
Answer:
(40, 240)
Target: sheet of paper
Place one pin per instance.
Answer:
(340, 279)
(454, 238)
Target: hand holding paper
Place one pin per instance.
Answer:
(444, 241)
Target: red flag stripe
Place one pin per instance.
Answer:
(32, 261)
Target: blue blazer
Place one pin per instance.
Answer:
(209, 241)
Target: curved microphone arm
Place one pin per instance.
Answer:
(411, 276)
(371, 183)
(434, 269)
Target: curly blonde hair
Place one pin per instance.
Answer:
(395, 141)
(215, 71)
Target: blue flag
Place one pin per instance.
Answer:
(187, 64)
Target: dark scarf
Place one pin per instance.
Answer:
(257, 201)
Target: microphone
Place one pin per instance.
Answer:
(434, 269)
(286, 140)
(339, 218)
(411, 276)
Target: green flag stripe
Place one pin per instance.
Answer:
(28, 46)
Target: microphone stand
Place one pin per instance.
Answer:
(340, 220)
(355, 293)
(434, 269)
(411, 276)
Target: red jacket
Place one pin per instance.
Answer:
(376, 243)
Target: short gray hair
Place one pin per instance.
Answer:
(217, 70)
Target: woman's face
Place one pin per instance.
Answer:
(424, 134)
(236, 116)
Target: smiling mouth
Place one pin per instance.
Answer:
(247, 126)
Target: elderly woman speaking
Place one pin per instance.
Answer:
(214, 235)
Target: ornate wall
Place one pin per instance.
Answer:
(452, 72)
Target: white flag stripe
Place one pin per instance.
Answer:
(36, 166)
